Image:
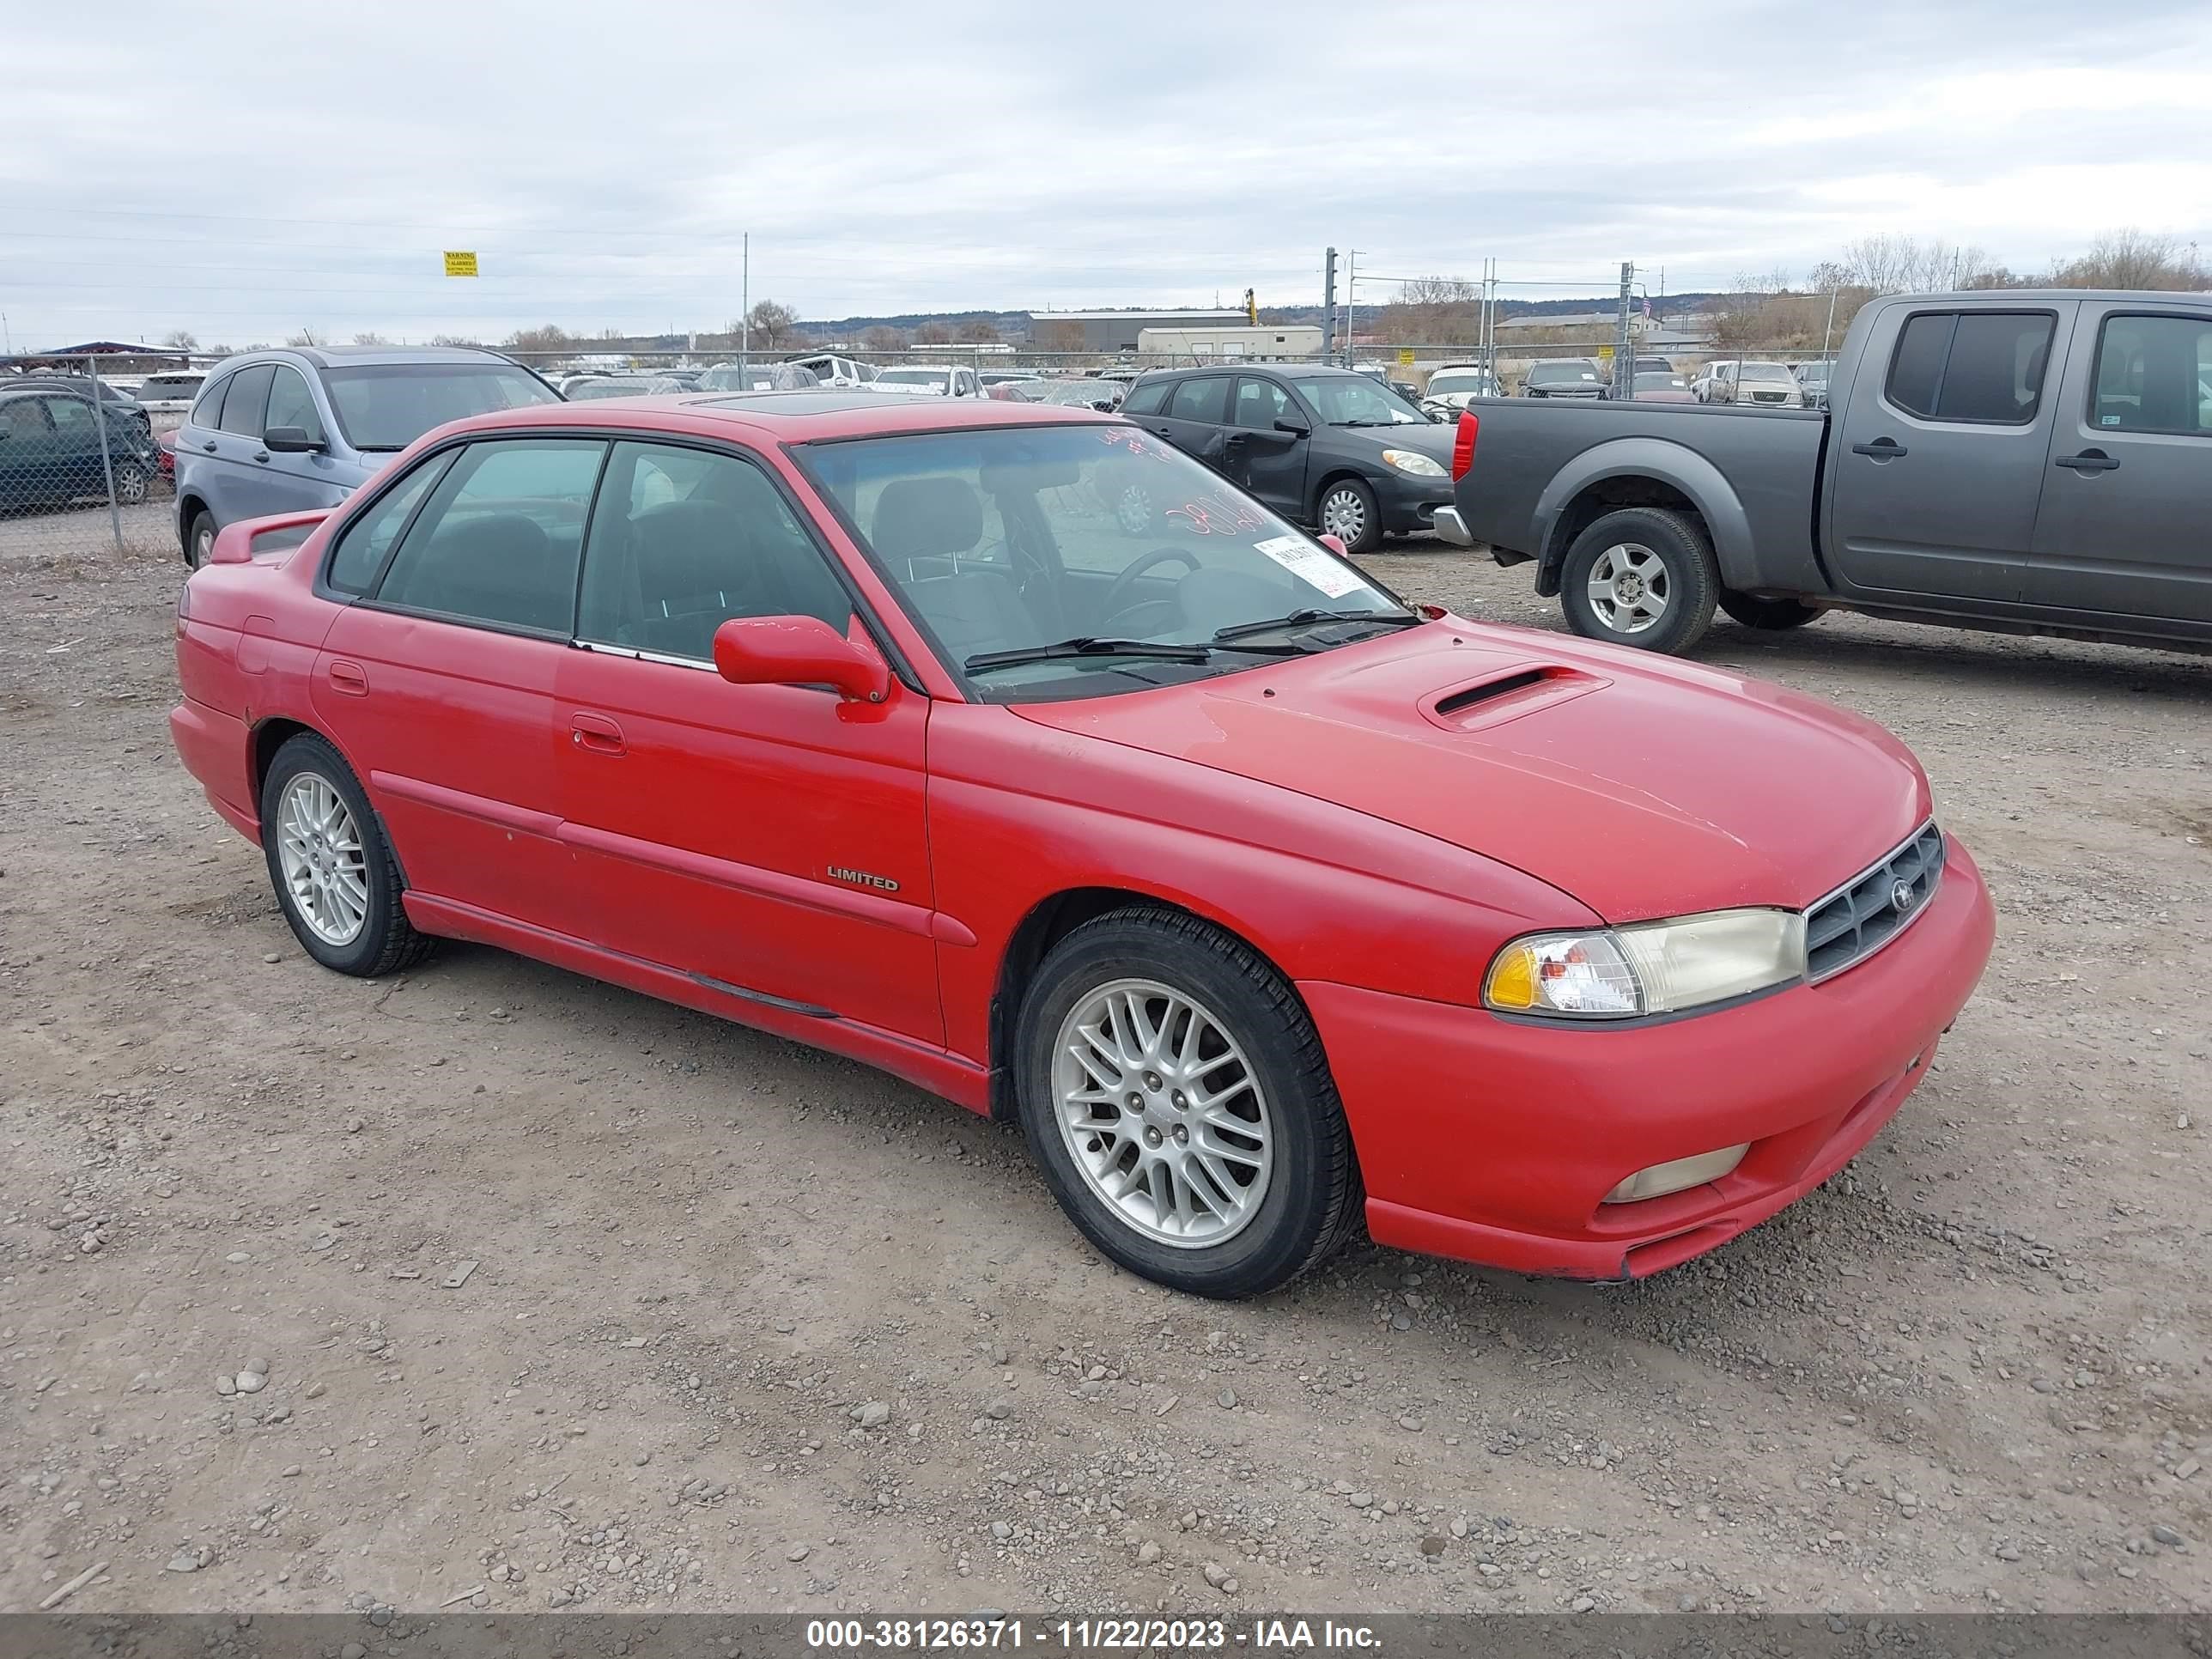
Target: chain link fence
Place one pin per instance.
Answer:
(83, 468)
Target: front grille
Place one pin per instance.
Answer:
(1768, 396)
(1858, 918)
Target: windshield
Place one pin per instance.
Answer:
(389, 406)
(938, 378)
(1458, 379)
(1765, 371)
(1355, 400)
(586, 390)
(1662, 383)
(1083, 394)
(1015, 538)
(1559, 373)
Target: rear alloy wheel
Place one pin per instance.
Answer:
(332, 868)
(199, 539)
(130, 484)
(1772, 615)
(1641, 576)
(1175, 1095)
(1349, 514)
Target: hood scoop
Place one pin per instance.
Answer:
(1506, 696)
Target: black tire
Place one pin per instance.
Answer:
(1677, 566)
(1314, 1199)
(387, 941)
(199, 538)
(1356, 505)
(1772, 615)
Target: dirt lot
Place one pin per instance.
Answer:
(750, 1328)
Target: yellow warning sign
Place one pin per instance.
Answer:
(1404, 357)
(460, 263)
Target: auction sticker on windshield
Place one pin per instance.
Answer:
(1308, 564)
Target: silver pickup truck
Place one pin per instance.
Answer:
(2023, 461)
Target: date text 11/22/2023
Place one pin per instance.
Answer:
(1085, 1635)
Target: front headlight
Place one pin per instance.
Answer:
(1652, 967)
(1408, 460)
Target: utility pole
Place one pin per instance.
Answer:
(745, 300)
(1329, 304)
(1351, 301)
(1624, 352)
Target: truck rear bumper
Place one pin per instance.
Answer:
(1447, 524)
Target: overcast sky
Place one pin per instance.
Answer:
(244, 170)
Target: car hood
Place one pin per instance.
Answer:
(1430, 438)
(1640, 786)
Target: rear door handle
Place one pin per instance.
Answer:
(1882, 449)
(349, 677)
(597, 733)
(2089, 460)
(209, 445)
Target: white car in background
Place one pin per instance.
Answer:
(832, 370)
(929, 380)
(167, 398)
(1452, 387)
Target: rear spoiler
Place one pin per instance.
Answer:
(236, 543)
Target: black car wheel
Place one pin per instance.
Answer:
(1642, 576)
(199, 538)
(1175, 1093)
(1347, 511)
(1772, 615)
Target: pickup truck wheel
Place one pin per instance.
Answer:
(1773, 615)
(1641, 576)
(1176, 1096)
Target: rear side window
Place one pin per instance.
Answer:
(249, 396)
(1981, 367)
(2154, 375)
(1146, 399)
(361, 548)
(499, 539)
(1203, 400)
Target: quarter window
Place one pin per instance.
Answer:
(249, 396)
(498, 540)
(1981, 367)
(361, 548)
(207, 413)
(1145, 399)
(1204, 399)
(2154, 375)
(685, 540)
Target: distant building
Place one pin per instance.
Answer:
(1117, 331)
(1238, 339)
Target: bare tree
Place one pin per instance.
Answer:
(881, 337)
(551, 337)
(305, 336)
(772, 324)
(1058, 337)
(2133, 259)
(181, 339)
(933, 334)
(981, 331)
(1904, 265)
(371, 338)
(451, 340)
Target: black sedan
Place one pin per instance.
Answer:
(1325, 446)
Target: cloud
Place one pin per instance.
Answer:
(605, 164)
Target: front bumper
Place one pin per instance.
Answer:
(1493, 1141)
(1408, 503)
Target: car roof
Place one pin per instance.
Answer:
(1259, 366)
(786, 417)
(350, 356)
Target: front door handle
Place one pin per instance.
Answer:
(2089, 460)
(349, 677)
(1882, 449)
(261, 455)
(597, 733)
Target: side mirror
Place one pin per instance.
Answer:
(798, 651)
(292, 441)
(1335, 544)
(1291, 424)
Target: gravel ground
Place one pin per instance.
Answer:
(494, 1285)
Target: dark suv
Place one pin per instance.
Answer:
(1325, 446)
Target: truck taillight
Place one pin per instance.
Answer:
(1470, 425)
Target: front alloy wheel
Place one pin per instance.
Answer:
(1163, 1114)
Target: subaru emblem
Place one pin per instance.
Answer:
(1900, 896)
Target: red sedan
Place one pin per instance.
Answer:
(1013, 752)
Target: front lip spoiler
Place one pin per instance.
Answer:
(1447, 524)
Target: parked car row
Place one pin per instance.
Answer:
(58, 446)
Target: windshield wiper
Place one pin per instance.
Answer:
(1085, 645)
(1300, 618)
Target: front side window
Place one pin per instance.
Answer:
(1982, 367)
(499, 539)
(1260, 405)
(2154, 375)
(364, 543)
(1079, 561)
(685, 540)
(387, 406)
(290, 404)
(249, 397)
